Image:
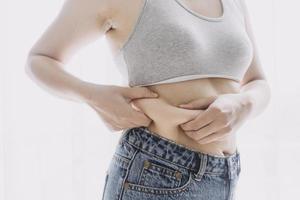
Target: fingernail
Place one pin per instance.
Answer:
(155, 94)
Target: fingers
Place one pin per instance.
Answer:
(219, 135)
(120, 122)
(134, 106)
(201, 103)
(120, 112)
(200, 121)
(139, 92)
(138, 118)
(204, 131)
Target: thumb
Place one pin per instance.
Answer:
(201, 103)
(140, 92)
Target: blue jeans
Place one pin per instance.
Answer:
(148, 166)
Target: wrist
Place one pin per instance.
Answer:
(89, 93)
(84, 91)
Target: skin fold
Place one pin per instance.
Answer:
(167, 116)
(217, 107)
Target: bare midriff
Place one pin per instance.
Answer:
(167, 116)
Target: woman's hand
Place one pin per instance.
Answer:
(222, 117)
(113, 105)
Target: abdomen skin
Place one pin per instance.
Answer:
(167, 116)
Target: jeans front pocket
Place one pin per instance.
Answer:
(156, 176)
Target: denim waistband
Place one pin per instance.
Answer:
(147, 141)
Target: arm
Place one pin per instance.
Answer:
(254, 86)
(227, 112)
(78, 23)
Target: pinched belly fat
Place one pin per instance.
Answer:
(166, 119)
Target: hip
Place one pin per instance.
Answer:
(147, 166)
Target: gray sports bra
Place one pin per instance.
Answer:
(170, 43)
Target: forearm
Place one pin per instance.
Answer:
(48, 73)
(256, 94)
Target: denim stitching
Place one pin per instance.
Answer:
(161, 191)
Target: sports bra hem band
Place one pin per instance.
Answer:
(191, 77)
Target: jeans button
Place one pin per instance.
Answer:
(146, 164)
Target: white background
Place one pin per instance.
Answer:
(52, 148)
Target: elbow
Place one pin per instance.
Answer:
(36, 63)
(266, 89)
(33, 64)
(266, 92)
(261, 89)
(28, 69)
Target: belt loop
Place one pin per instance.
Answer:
(202, 166)
(230, 168)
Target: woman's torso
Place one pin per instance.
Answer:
(163, 111)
